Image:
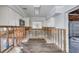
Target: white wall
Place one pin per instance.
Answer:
(51, 22)
(59, 21)
(9, 16)
(68, 7)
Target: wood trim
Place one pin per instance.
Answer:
(61, 39)
(65, 40)
(14, 26)
(58, 36)
(74, 17)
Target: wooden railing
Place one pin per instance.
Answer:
(54, 35)
(13, 35)
(59, 37)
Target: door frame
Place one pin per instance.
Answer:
(67, 25)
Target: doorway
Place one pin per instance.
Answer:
(74, 31)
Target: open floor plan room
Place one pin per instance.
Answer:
(39, 29)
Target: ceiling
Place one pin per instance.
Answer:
(29, 10)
